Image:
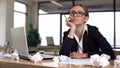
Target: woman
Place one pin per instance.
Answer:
(83, 40)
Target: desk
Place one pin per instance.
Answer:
(9, 63)
(53, 50)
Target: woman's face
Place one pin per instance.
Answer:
(77, 15)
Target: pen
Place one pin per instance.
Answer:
(65, 16)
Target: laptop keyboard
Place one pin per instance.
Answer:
(45, 57)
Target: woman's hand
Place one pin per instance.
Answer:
(72, 26)
(78, 55)
(70, 23)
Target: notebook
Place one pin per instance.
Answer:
(19, 42)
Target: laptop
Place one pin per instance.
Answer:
(19, 42)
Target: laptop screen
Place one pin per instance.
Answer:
(19, 40)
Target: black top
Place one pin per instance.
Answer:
(93, 43)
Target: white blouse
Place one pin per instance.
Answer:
(80, 43)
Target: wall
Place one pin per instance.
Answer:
(6, 20)
(2, 21)
(32, 12)
(7, 17)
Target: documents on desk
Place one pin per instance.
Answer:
(94, 60)
(66, 60)
(78, 61)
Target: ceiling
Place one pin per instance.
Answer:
(63, 6)
(42, 0)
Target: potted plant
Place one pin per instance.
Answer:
(33, 37)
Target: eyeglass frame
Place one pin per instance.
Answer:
(78, 13)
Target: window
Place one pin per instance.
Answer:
(103, 20)
(64, 27)
(117, 29)
(105, 23)
(101, 16)
(100, 20)
(49, 25)
(19, 14)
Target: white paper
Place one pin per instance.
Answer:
(99, 60)
(78, 61)
(118, 57)
(61, 58)
(117, 61)
(37, 58)
(15, 55)
(1, 54)
(94, 60)
(66, 60)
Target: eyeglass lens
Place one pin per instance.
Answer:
(79, 13)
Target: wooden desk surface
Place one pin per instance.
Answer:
(10, 63)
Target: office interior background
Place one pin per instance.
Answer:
(49, 17)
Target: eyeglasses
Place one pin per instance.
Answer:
(79, 13)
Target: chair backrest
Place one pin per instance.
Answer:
(50, 41)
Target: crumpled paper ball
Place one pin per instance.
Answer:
(61, 58)
(99, 60)
(117, 61)
(15, 55)
(106, 56)
(104, 61)
(56, 59)
(36, 58)
(118, 57)
(95, 60)
(1, 53)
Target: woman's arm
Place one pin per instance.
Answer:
(68, 45)
(103, 43)
(78, 55)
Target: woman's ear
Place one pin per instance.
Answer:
(86, 19)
